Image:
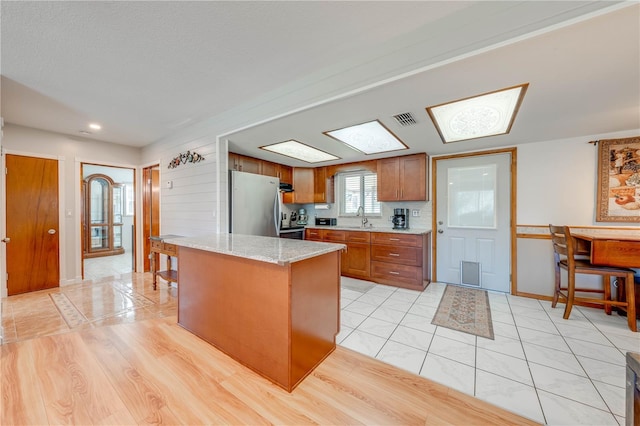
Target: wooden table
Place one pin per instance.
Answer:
(611, 249)
(158, 246)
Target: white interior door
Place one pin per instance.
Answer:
(473, 221)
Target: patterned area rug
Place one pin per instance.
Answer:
(465, 309)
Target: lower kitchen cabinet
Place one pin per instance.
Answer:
(358, 262)
(400, 260)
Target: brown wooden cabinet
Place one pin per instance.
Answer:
(400, 259)
(285, 173)
(323, 187)
(243, 163)
(303, 186)
(357, 262)
(312, 234)
(391, 258)
(403, 178)
(270, 169)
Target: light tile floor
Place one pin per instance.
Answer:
(551, 370)
(107, 266)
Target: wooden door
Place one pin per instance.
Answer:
(32, 224)
(151, 210)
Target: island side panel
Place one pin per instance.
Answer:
(240, 306)
(315, 312)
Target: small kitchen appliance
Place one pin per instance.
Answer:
(302, 217)
(326, 221)
(400, 219)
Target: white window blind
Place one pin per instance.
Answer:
(359, 189)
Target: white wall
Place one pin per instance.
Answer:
(557, 183)
(70, 151)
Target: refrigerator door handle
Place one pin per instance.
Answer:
(276, 213)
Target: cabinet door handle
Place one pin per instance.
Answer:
(394, 273)
(394, 239)
(394, 254)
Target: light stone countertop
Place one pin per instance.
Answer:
(414, 231)
(280, 251)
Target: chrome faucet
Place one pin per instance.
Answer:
(364, 218)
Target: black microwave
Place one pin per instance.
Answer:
(328, 221)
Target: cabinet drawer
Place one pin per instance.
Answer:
(393, 254)
(358, 236)
(394, 274)
(329, 235)
(170, 249)
(313, 234)
(395, 239)
(156, 245)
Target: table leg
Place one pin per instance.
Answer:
(154, 260)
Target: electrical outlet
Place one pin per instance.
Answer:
(415, 213)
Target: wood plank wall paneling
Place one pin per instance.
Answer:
(190, 206)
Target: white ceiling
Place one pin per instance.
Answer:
(148, 71)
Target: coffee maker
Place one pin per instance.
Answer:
(400, 219)
(302, 217)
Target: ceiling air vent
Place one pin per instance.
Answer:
(405, 119)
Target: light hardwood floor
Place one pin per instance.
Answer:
(153, 371)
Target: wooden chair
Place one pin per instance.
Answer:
(567, 258)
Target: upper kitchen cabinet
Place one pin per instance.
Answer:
(403, 178)
(270, 169)
(285, 173)
(322, 186)
(243, 163)
(303, 186)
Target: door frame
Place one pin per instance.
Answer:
(512, 220)
(62, 234)
(148, 202)
(79, 205)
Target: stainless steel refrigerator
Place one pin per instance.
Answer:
(254, 204)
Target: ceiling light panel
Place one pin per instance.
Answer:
(369, 138)
(479, 116)
(300, 151)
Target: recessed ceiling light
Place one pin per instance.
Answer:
(370, 138)
(300, 151)
(95, 126)
(488, 114)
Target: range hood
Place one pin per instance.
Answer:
(286, 187)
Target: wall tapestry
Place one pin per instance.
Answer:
(619, 180)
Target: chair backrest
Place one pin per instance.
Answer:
(563, 247)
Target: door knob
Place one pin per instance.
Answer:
(6, 240)
(51, 231)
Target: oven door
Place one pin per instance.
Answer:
(294, 234)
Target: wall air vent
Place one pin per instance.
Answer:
(405, 119)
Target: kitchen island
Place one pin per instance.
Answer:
(272, 304)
